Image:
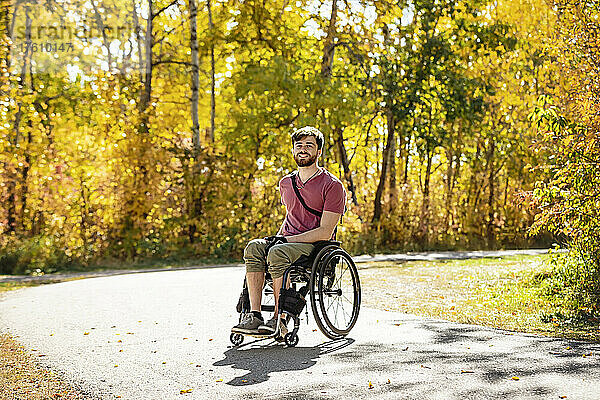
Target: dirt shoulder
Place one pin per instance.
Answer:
(22, 377)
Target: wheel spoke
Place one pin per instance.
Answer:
(348, 300)
(335, 291)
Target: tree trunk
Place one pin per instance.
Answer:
(13, 175)
(23, 75)
(491, 233)
(147, 89)
(329, 45)
(387, 153)
(345, 163)
(195, 76)
(135, 206)
(137, 28)
(393, 193)
(211, 135)
(448, 184)
(326, 64)
(472, 181)
(7, 46)
(424, 222)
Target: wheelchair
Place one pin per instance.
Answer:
(330, 278)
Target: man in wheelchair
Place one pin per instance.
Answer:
(314, 200)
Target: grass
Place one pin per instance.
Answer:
(21, 377)
(506, 293)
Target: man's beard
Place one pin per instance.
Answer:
(305, 162)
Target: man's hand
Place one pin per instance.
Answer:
(273, 240)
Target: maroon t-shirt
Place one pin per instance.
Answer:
(323, 192)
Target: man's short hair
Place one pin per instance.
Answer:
(301, 133)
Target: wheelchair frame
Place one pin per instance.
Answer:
(317, 272)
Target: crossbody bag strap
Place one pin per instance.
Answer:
(299, 196)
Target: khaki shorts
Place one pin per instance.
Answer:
(279, 258)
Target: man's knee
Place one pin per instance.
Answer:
(254, 248)
(254, 255)
(278, 255)
(278, 260)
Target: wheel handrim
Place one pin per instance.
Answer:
(340, 301)
(314, 296)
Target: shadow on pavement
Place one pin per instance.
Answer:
(468, 362)
(261, 360)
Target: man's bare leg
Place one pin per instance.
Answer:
(255, 281)
(277, 283)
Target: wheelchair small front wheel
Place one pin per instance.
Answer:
(236, 338)
(291, 339)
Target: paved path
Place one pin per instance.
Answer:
(152, 335)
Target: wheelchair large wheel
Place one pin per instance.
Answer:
(335, 292)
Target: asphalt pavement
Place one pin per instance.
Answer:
(165, 335)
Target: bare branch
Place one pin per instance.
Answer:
(156, 14)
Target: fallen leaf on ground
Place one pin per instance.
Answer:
(86, 333)
(183, 391)
(219, 380)
(388, 381)
(515, 378)
(462, 371)
(370, 385)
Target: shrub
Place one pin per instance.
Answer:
(36, 255)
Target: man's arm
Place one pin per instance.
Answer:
(324, 232)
